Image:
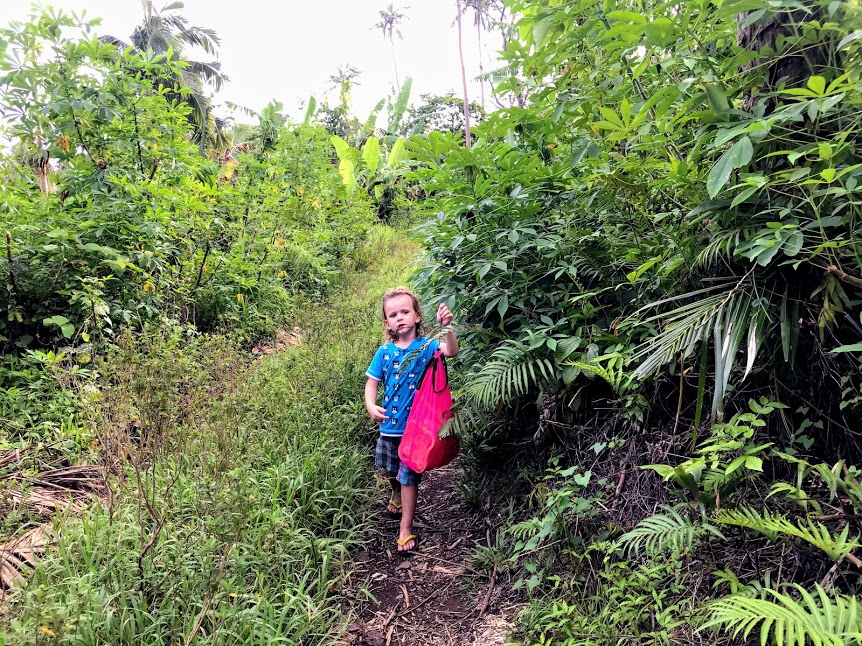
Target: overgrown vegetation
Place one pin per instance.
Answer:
(139, 269)
(655, 259)
(658, 259)
(233, 524)
(115, 219)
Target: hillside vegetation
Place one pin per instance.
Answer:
(655, 262)
(658, 254)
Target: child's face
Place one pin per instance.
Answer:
(401, 318)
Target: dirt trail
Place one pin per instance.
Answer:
(434, 597)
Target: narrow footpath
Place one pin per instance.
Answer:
(432, 597)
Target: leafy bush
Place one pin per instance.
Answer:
(654, 248)
(116, 219)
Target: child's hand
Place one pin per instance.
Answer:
(378, 413)
(444, 315)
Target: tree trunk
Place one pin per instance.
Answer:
(794, 66)
(481, 67)
(395, 65)
(463, 79)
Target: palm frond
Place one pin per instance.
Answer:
(722, 245)
(463, 418)
(209, 72)
(206, 39)
(734, 314)
(820, 620)
(113, 40)
(664, 532)
(511, 372)
(773, 525)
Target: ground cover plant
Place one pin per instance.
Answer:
(659, 256)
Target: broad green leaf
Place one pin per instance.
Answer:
(309, 111)
(503, 305)
(342, 148)
(345, 169)
(735, 157)
(627, 16)
(744, 195)
(856, 35)
(856, 347)
(583, 479)
(794, 243)
(371, 154)
(540, 30)
(398, 152)
(754, 463)
(717, 98)
(735, 464)
(817, 84)
(640, 271)
(55, 320)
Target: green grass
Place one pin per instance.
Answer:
(269, 495)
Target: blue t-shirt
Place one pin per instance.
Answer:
(400, 381)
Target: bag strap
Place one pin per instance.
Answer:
(438, 358)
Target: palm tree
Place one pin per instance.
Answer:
(166, 30)
(388, 25)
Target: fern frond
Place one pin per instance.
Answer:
(662, 532)
(772, 525)
(823, 621)
(511, 372)
(463, 418)
(613, 373)
(722, 245)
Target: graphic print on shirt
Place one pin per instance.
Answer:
(400, 380)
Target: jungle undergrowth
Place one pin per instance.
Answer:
(235, 525)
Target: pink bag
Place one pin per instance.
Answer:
(422, 449)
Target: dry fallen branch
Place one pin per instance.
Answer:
(487, 599)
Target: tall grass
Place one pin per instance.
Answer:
(251, 513)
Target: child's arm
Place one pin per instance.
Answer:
(449, 344)
(378, 413)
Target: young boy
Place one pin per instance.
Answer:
(402, 319)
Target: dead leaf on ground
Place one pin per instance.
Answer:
(283, 340)
(67, 488)
(18, 555)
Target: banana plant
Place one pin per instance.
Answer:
(363, 167)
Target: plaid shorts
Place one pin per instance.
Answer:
(386, 457)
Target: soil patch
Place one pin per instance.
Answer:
(433, 597)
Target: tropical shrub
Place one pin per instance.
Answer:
(115, 218)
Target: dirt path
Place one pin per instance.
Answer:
(433, 597)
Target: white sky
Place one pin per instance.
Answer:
(288, 50)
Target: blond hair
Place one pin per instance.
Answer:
(391, 335)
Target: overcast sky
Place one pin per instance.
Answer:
(288, 50)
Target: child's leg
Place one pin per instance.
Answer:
(396, 495)
(409, 494)
(386, 457)
(409, 481)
